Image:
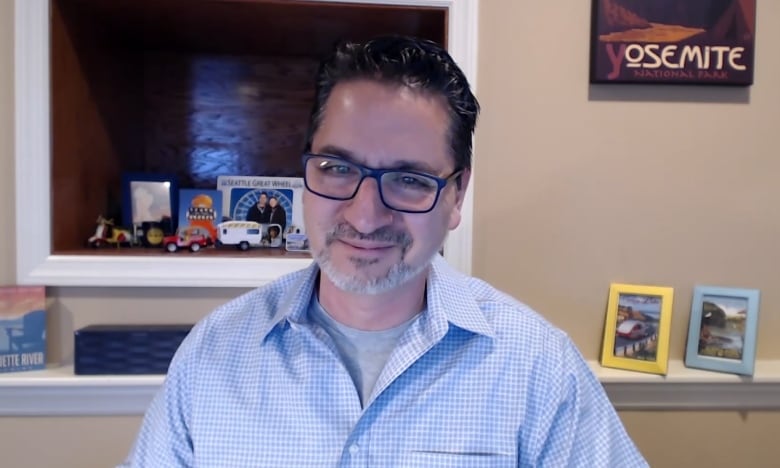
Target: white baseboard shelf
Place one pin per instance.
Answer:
(58, 392)
(684, 389)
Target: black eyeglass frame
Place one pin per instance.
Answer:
(377, 174)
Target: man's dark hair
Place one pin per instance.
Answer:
(416, 63)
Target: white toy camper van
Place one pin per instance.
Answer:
(243, 234)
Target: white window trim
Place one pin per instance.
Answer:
(35, 262)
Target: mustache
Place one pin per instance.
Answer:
(385, 234)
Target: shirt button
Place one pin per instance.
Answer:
(353, 449)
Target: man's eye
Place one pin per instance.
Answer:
(338, 169)
(410, 181)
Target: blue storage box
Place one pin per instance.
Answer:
(126, 349)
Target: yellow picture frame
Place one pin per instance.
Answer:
(637, 328)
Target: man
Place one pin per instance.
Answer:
(380, 354)
(260, 211)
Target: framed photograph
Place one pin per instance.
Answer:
(297, 242)
(200, 208)
(264, 200)
(636, 332)
(722, 332)
(673, 41)
(148, 198)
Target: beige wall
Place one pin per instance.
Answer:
(577, 187)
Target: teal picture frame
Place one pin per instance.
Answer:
(723, 329)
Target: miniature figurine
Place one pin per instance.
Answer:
(107, 234)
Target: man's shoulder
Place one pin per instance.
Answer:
(508, 312)
(508, 316)
(253, 312)
(521, 339)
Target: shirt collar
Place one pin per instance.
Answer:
(448, 300)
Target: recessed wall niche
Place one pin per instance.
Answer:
(192, 88)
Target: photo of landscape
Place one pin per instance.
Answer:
(722, 330)
(694, 41)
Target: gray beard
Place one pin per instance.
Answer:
(397, 275)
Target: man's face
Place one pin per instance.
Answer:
(360, 244)
(262, 200)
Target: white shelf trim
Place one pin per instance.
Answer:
(57, 392)
(692, 389)
(170, 270)
(35, 263)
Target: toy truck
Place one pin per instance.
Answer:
(191, 237)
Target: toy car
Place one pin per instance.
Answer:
(246, 234)
(191, 237)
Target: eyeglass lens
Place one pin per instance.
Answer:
(400, 190)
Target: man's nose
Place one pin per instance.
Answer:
(365, 211)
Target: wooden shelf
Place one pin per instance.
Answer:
(212, 252)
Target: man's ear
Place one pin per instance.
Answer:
(461, 185)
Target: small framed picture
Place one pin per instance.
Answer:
(722, 332)
(296, 242)
(673, 41)
(148, 198)
(636, 332)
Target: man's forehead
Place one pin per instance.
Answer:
(385, 126)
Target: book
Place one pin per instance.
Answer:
(22, 328)
(200, 208)
(264, 200)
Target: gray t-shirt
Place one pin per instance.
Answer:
(364, 353)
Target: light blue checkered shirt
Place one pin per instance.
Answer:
(478, 380)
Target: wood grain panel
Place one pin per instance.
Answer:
(264, 27)
(193, 88)
(211, 115)
(96, 118)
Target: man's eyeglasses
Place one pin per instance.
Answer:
(401, 190)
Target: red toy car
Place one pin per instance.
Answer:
(191, 237)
